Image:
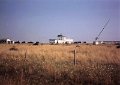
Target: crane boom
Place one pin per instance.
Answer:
(102, 30)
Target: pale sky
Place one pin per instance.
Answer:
(40, 20)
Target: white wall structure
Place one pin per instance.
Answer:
(106, 42)
(97, 42)
(61, 40)
(111, 42)
(6, 41)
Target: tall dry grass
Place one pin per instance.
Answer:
(54, 65)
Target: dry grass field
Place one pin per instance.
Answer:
(54, 65)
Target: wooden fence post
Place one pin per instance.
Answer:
(23, 69)
(75, 57)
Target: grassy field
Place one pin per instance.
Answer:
(54, 65)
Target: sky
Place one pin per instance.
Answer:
(41, 20)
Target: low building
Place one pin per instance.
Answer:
(111, 42)
(61, 40)
(97, 42)
(6, 41)
(106, 42)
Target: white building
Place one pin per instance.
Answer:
(106, 42)
(111, 42)
(97, 42)
(61, 40)
(6, 41)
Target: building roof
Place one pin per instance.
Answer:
(61, 35)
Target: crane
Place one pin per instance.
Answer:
(101, 32)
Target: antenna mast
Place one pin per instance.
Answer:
(102, 30)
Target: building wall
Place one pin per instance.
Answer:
(61, 40)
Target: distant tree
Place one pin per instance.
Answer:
(84, 42)
(23, 42)
(17, 42)
(31, 42)
(37, 43)
(77, 42)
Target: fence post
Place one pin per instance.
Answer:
(23, 69)
(75, 57)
